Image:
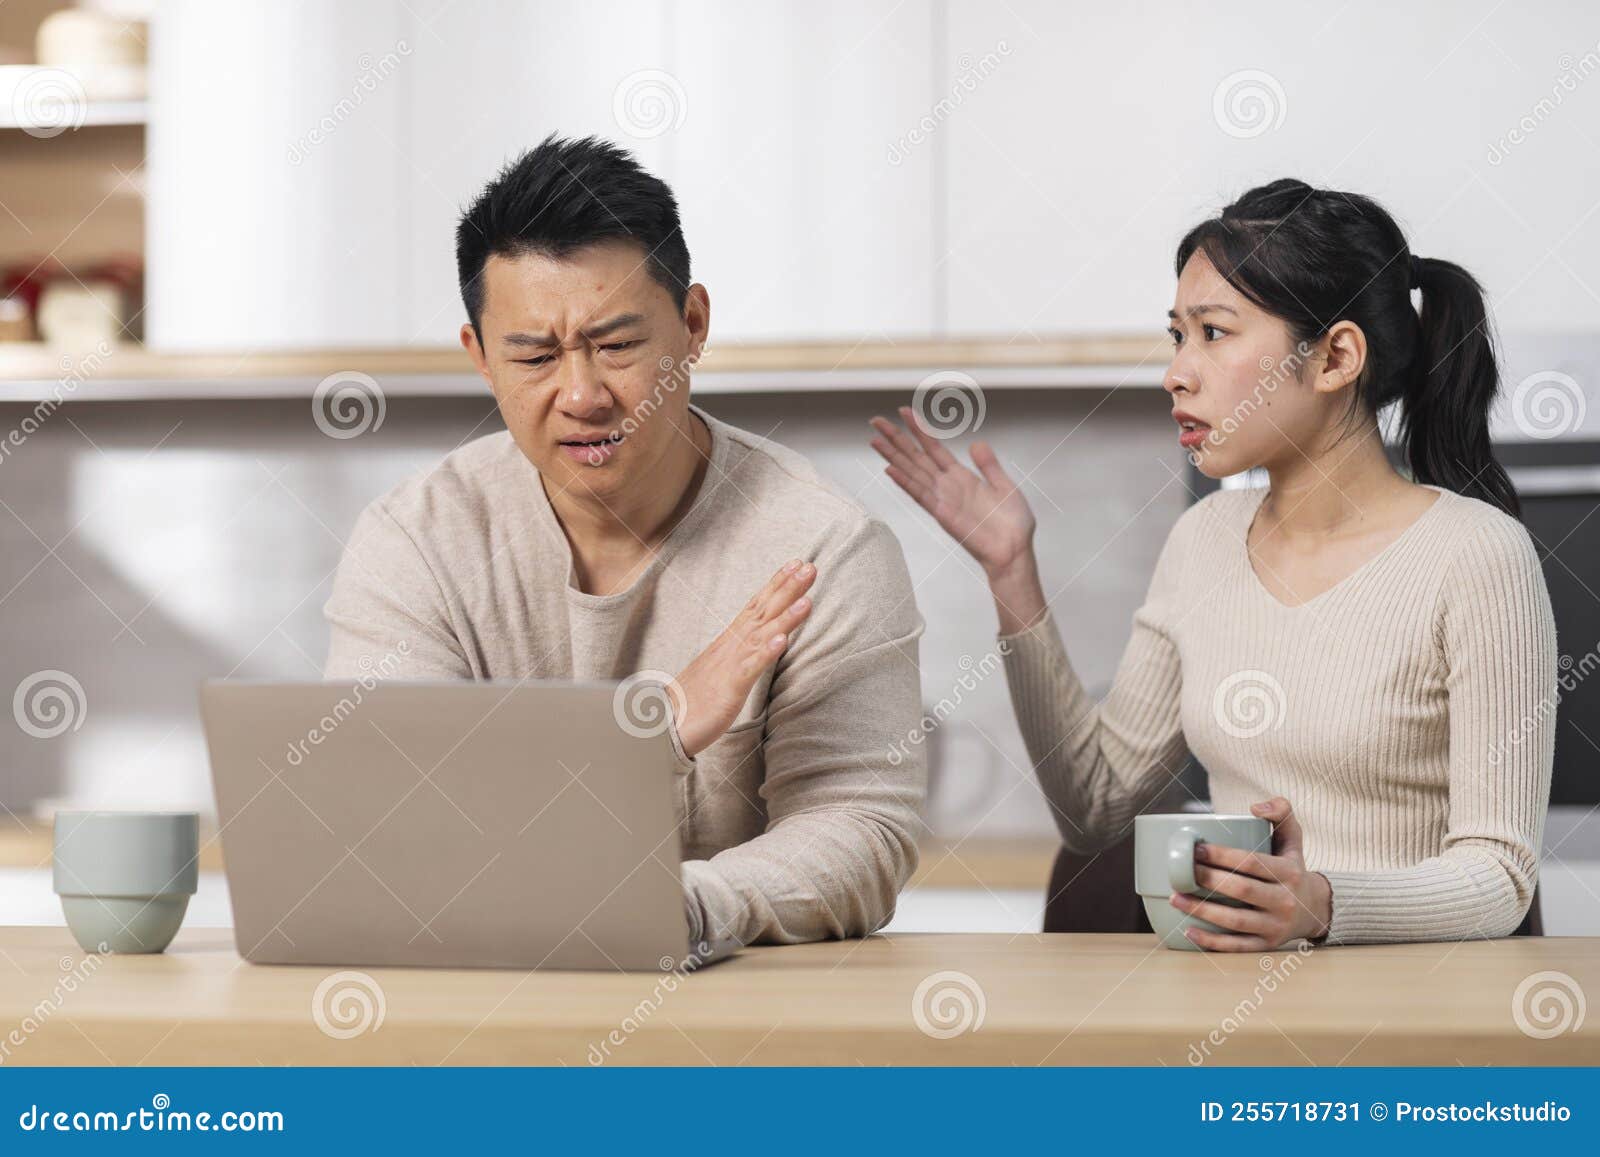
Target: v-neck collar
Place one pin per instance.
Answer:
(1354, 576)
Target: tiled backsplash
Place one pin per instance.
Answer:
(147, 546)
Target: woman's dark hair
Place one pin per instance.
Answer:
(1314, 257)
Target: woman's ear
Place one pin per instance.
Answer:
(1346, 348)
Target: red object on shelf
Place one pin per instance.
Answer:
(27, 281)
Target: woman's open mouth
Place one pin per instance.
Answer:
(1192, 431)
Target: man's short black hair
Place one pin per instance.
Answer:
(561, 196)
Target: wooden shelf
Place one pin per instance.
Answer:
(33, 373)
(96, 113)
(106, 99)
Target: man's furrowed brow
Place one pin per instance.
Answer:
(529, 339)
(592, 332)
(611, 324)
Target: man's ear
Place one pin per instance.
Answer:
(1346, 356)
(697, 317)
(474, 348)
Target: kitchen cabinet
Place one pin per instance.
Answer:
(277, 217)
(309, 162)
(1078, 164)
(803, 218)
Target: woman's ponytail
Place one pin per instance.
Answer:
(1450, 386)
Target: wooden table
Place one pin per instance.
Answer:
(1045, 999)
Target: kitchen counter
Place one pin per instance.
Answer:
(896, 999)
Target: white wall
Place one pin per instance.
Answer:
(866, 169)
(1077, 165)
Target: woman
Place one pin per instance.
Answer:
(1366, 660)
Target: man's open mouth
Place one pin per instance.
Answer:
(592, 451)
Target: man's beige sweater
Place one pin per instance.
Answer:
(1408, 713)
(800, 823)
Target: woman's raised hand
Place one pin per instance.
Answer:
(981, 509)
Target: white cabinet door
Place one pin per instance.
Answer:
(1071, 166)
(772, 123)
(309, 162)
(494, 79)
(800, 221)
(277, 213)
(1105, 133)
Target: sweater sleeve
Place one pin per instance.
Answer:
(843, 786)
(1100, 764)
(1496, 633)
(387, 603)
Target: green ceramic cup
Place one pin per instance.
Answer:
(125, 878)
(1164, 863)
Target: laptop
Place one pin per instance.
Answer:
(447, 824)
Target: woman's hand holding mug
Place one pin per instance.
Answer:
(1286, 902)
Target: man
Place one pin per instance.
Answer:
(615, 528)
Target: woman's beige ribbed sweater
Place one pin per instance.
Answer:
(1408, 713)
